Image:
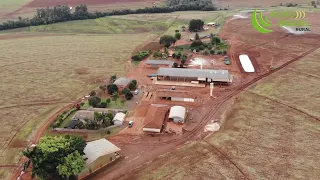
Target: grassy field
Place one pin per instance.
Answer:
(269, 133)
(104, 25)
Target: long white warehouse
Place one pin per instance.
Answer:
(246, 63)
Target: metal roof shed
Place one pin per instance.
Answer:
(119, 118)
(177, 114)
(123, 81)
(159, 62)
(215, 75)
(98, 148)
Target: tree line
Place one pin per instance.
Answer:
(62, 13)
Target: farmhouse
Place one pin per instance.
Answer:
(157, 63)
(198, 75)
(155, 117)
(82, 115)
(119, 118)
(177, 114)
(98, 154)
(183, 96)
(122, 83)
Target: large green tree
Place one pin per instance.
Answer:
(112, 88)
(167, 40)
(196, 25)
(52, 157)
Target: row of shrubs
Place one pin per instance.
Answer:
(61, 117)
(62, 13)
(140, 55)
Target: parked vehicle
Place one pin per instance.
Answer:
(130, 124)
(227, 60)
(136, 92)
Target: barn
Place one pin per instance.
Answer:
(182, 96)
(157, 63)
(198, 75)
(177, 114)
(98, 154)
(155, 117)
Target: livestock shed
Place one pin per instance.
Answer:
(122, 83)
(157, 63)
(174, 95)
(98, 154)
(155, 117)
(201, 75)
(177, 114)
(119, 118)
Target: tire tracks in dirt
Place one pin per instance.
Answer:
(284, 104)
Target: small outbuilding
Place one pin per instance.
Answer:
(177, 114)
(119, 118)
(122, 83)
(98, 154)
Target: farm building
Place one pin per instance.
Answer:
(82, 115)
(119, 118)
(122, 83)
(194, 75)
(155, 117)
(211, 24)
(157, 63)
(98, 153)
(177, 114)
(183, 96)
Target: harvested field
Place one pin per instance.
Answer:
(262, 138)
(41, 74)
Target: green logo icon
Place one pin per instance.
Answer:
(291, 19)
(259, 23)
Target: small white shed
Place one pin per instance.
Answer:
(177, 114)
(119, 118)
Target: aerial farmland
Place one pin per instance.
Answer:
(170, 93)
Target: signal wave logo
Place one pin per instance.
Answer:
(300, 15)
(259, 23)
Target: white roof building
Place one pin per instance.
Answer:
(246, 63)
(119, 118)
(177, 114)
(98, 148)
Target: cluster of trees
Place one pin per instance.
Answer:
(204, 5)
(140, 55)
(61, 13)
(196, 25)
(96, 102)
(56, 157)
(215, 46)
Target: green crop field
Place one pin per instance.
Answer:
(271, 131)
